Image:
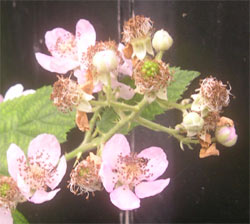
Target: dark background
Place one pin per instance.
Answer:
(211, 37)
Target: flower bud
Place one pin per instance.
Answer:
(105, 61)
(193, 123)
(162, 41)
(226, 135)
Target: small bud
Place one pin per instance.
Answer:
(193, 123)
(105, 61)
(162, 41)
(226, 135)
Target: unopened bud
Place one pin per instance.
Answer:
(226, 135)
(105, 61)
(193, 123)
(162, 41)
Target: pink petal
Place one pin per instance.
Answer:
(54, 36)
(124, 199)
(127, 67)
(45, 150)
(80, 75)
(5, 216)
(97, 87)
(41, 196)
(109, 178)
(23, 187)
(125, 92)
(59, 65)
(147, 189)
(85, 35)
(157, 163)
(16, 159)
(117, 145)
(1, 98)
(13, 92)
(58, 174)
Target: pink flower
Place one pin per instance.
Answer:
(65, 48)
(42, 169)
(15, 91)
(130, 176)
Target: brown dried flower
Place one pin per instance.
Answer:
(85, 176)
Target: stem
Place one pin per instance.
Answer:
(167, 105)
(157, 127)
(119, 105)
(159, 55)
(84, 146)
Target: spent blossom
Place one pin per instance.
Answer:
(127, 176)
(84, 178)
(42, 170)
(137, 32)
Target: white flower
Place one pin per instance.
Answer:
(14, 92)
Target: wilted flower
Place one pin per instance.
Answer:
(84, 178)
(68, 95)
(9, 197)
(67, 49)
(15, 91)
(130, 176)
(152, 78)
(162, 41)
(213, 96)
(137, 32)
(42, 170)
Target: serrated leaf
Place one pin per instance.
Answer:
(108, 119)
(181, 80)
(18, 217)
(25, 117)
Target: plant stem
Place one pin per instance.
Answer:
(167, 105)
(85, 146)
(157, 127)
(119, 105)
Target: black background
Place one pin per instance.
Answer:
(211, 37)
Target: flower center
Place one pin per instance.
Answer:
(150, 69)
(66, 46)
(131, 169)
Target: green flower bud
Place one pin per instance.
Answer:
(193, 123)
(226, 136)
(162, 41)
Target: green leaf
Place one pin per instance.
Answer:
(181, 80)
(108, 120)
(18, 217)
(25, 117)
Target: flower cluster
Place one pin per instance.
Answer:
(204, 119)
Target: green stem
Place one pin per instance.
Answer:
(167, 105)
(157, 127)
(119, 105)
(84, 147)
(159, 55)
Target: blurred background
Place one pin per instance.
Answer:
(211, 37)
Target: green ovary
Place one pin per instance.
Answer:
(150, 68)
(4, 188)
